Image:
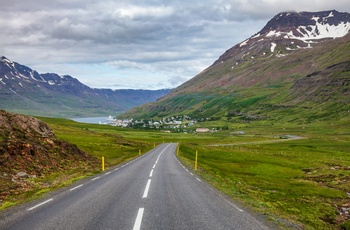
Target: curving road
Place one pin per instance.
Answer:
(153, 191)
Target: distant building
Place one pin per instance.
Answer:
(202, 130)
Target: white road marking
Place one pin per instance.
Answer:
(95, 178)
(150, 175)
(38, 205)
(137, 225)
(116, 169)
(154, 166)
(75, 187)
(198, 179)
(191, 173)
(145, 193)
(108, 173)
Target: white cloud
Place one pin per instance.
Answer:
(128, 43)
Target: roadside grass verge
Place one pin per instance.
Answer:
(295, 183)
(114, 144)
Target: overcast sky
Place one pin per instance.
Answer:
(134, 44)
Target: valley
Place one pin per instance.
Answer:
(269, 120)
(299, 183)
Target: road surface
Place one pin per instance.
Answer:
(153, 191)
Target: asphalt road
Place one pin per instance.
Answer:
(153, 191)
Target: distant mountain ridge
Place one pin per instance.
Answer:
(26, 91)
(298, 61)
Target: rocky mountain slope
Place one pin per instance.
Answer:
(26, 91)
(297, 62)
(30, 150)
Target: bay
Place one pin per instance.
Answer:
(93, 120)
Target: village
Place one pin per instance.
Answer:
(180, 123)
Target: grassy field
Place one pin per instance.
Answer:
(298, 183)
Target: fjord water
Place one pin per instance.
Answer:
(92, 120)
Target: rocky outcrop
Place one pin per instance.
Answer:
(29, 149)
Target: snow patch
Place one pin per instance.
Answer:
(331, 15)
(281, 55)
(273, 33)
(13, 91)
(315, 18)
(51, 83)
(245, 55)
(2, 81)
(318, 31)
(256, 36)
(273, 46)
(244, 43)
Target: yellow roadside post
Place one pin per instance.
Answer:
(103, 164)
(195, 162)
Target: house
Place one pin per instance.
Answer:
(202, 130)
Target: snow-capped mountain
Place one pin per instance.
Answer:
(290, 31)
(25, 90)
(307, 26)
(298, 60)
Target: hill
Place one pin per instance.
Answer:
(297, 68)
(24, 90)
(30, 151)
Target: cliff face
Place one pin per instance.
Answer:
(29, 150)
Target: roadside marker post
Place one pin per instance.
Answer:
(195, 162)
(139, 152)
(103, 164)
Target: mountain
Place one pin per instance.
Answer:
(296, 68)
(291, 31)
(24, 90)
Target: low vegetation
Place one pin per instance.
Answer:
(299, 182)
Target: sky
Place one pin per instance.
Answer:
(134, 44)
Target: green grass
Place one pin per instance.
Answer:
(301, 181)
(113, 144)
(293, 182)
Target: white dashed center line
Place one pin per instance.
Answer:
(145, 194)
(137, 225)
